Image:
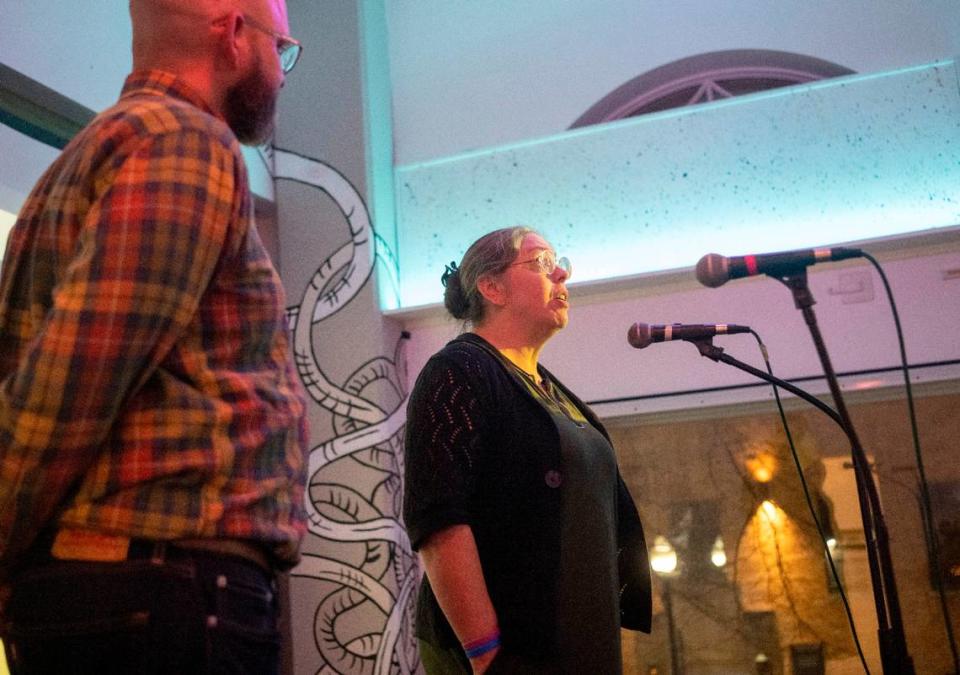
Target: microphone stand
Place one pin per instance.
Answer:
(894, 656)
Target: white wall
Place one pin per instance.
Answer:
(470, 74)
(593, 357)
(347, 363)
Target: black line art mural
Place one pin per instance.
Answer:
(363, 625)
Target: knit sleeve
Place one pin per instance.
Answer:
(443, 439)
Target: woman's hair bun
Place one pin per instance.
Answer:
(454, 299)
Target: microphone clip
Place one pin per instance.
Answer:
(797, 283)
(707, 348)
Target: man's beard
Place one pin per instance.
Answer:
(250, 108)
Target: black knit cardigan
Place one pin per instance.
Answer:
(480, 450)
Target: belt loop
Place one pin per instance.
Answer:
(159, 555)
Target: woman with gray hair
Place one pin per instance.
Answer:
(533, 549)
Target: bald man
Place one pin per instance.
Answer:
(152, 429)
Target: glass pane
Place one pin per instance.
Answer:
(769, 604)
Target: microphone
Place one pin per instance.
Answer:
(643, 335)
(715, 270)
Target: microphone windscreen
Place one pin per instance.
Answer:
(712, 270)
(639, 335)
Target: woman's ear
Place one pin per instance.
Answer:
(492, 289)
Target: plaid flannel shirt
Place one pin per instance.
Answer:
(146, 388)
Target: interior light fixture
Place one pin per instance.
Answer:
(718, 556)
(663, 557)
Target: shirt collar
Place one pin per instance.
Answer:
(163, 83)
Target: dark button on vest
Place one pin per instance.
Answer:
(553, 478)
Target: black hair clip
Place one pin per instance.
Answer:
(449, 271)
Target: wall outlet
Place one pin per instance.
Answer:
(853, 286)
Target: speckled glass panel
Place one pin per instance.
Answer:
(849, 159)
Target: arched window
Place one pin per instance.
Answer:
(708, 77)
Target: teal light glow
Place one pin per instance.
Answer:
(848, 159)
(378, 132)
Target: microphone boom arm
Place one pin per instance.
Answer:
(715, 353)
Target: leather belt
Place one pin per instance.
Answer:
(237, 548)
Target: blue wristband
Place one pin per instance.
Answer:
(476, 648)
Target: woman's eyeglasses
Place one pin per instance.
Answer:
(547, 261)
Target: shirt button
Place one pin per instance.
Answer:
(553, 478)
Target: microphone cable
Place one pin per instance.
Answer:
(810, 505)
(926, 510)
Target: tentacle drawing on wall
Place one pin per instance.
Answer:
(364, 624)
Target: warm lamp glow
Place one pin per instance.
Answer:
(770, 510)
(762, 474)
(866, 384)
(718, 556)
(761, 466)
(663, 557)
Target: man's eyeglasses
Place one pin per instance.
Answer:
(288, 48)
(547, 261)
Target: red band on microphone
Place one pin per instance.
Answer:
(750, 261)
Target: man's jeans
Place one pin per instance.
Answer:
(181, 612)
